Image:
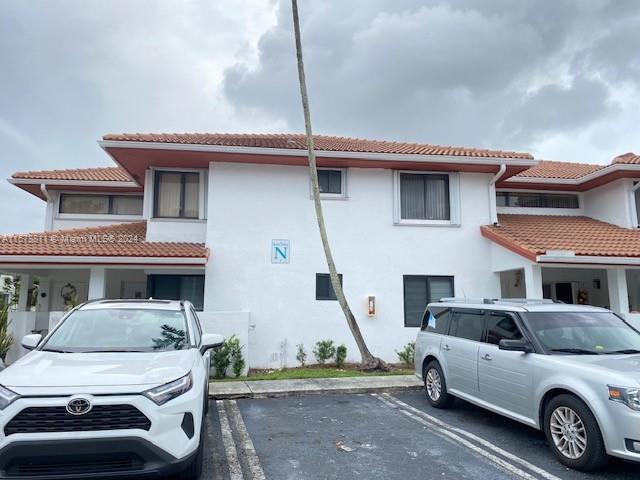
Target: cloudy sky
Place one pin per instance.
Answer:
(558, 79)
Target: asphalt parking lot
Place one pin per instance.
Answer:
(397, 436)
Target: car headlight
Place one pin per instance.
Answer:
(630, 396)
(162, 394)
(7, 397)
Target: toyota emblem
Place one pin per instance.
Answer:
(79, 406)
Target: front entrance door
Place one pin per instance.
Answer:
(564, 292)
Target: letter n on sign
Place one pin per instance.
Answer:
(280, 251)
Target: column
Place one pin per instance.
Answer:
(533, 280)
(97, 283)
(25, 285)
(618, 292)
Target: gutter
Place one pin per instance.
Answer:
(493, 209)
(45, 192)
(589, 260)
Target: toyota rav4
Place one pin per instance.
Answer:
(118, 388)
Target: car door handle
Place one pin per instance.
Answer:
(446, 347)
(487, 357)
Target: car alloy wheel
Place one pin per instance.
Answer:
(568, 432)
(433, 384)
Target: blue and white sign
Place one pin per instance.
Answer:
(280, 251)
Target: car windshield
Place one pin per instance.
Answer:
(584, 333)
(120, 330)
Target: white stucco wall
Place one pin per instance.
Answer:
(610, 203)
(249, 205)
(178, 230)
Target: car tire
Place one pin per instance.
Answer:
(194, 470)
(435, 386)
(573, 434)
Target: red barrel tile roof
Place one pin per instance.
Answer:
(531, 235)
(102, 174)
(121, 240)
(322, 143)
(562, 170)
(628, 158)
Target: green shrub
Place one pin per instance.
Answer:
(407, 353)
(235, 352)
(301, 356)
(341, 356)
(221, 359)
(324, 350)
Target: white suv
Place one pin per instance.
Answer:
(119, 388)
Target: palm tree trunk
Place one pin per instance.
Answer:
(369, 362)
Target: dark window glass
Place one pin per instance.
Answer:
(537, 200)
(419, 291)
(469, 325)
(501, 326)
(424, 196)
(583, 332)
(436, 320)
(330, 181)
(324, 289)
(637, 199)
(100, 204)
(177, 287)
(176, 194)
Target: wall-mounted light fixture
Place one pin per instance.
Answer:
(371, 305)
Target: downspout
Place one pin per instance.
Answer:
(48, 222)
(634, 207)
(493, 209)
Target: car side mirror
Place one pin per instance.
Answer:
(31, 341)
(516, 346)
(209, 341)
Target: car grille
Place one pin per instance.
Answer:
(57, 419)
(81, 465)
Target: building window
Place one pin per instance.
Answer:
(100, 204)
(419, 291)
(537, 200)
(177, 287)
(426, 198)
(332, 183)
(177, 194)
(636, 195)
(324, 289)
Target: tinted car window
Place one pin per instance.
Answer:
(501, 326)
(436, 320)
(469, 325)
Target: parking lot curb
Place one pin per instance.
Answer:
(286, 388)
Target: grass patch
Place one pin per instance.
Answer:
(315, 371)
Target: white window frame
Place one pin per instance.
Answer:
(343, 185)
(454, 201)
(149, 198)
(94, 216)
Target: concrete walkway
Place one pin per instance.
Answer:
(283, 388)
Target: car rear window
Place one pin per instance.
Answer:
(436, 320)
(469, 325)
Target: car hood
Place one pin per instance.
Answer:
(622, 364)
(49, 369)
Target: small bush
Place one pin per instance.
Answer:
(301, 356)
(341, 356)
(407, 353)
(221, 359)
(324, 350)
(235, 353)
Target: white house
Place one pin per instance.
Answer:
(228, 222)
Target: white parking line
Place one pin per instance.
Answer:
(246, 445)
(459, 441)
(235, 469)
(485, 443)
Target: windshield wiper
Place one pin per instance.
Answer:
(55, 350)
(111, 351)
(626, 351)
(576, 351)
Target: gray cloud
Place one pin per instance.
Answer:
(483, 73)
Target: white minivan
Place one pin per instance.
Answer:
(118, 389)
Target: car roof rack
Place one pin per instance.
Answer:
(495, 301)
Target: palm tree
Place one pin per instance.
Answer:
(369, 362)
